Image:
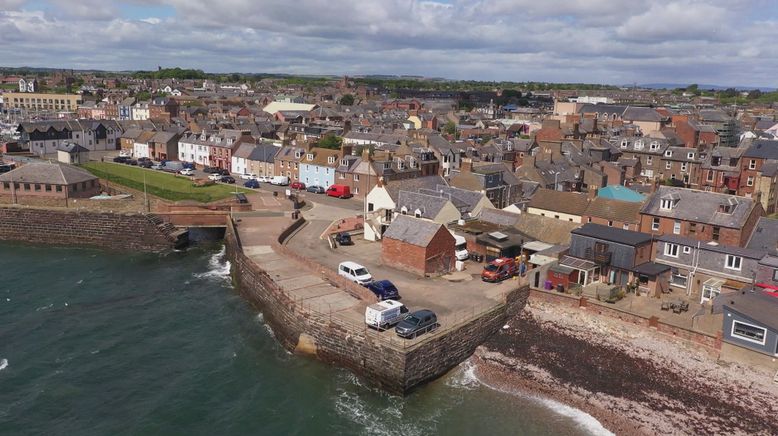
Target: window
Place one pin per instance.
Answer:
(748, 332)
(775, 275)
(684, 166)
(624, 143)
(37, 187)
(671, 249)
(58, 188)
(710, 176)
(610, 223)
(678, 279)
(677, 227)
(638, 144)
(668, 153)
(668, 165)
(417, 213)
(687, 249)
(356, 177)
(655, 146)
(356, 189)
(750, 181)
(733, 262)
(752, 164)
(710, 292)
(716, 233)
(692, 228)
(650, 160)
(655, 224)
(589, 219)
(667, 204)
(625, 226)
(404, 210)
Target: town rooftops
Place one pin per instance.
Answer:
(413, 185)
(278, 106)
(412, 230)
(621, 193)
(613, 234)
(614, 210)
(751, 253)
(71, 147)
(765, 236)
(49, 173)
(699, 206)
(572, 203)
(428, 206)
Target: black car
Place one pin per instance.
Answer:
(315, 189)
(253, 183)
(223, 172)
(211, 170)
(417, 323)
(343, 238)
(145, 163)
(384, 290)
(228, 179)
(121, 159)
(132, 162)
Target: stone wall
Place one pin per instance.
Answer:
(115, 231)
(386, 361)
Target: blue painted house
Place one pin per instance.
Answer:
(317, 167)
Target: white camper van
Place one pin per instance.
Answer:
(280, 181)
(385, 314)
(460, 248)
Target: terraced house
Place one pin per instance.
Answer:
(759, 173)
(648, 153)
(684, 164)
(44, 137)
(317, 166)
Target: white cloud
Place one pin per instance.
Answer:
(603, 41)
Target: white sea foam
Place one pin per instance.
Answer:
(582, 419)
(218, 267)
(378, 421)
(464, 376)
(3, 364)
(44, 307)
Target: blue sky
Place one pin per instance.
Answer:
(598, 41)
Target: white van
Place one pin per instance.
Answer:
(355, 272)
(279, 181)
(460, 248)
(385, 314)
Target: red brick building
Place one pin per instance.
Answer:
(418, 246)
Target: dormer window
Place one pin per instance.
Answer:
(638, 144)
(309, 156)
(331, 160)
(404, 210)
(387, 165)
(715, 161)
(690, 155)
(655, 145)
(344, 162)
(417, 213)
(668, 153)
(669, 202)
(624, 143)
(298, 154)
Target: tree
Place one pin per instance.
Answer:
(755, 94)
(450, 127)
(331, 141)
(347, 100)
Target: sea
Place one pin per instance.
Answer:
(102, 343)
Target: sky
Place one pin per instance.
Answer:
(722, 42)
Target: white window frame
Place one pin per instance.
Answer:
(666, 204)
(685, 278)
(669, 249)
(668, 153)
(775, 275)
(684, 166)
(650, 160)
(710, 177)
(668, 165)
(356, 177)
(655, 224)
(746, 338)
(676, 227)
(752, 164)
(711, 294)
(750, 181)
(733, 262)
(687, 249)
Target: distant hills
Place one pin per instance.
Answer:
(704, 86)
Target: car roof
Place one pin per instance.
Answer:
(384, 283)
(423, 312)
(350, 264)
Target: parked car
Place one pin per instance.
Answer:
(355, 272)
(252, 183)
(340, 191)
(280, 181)
(125, 153)
(186, 172)
(145, 163)
(121, 159)
(189, 165)
(297, 185)
(343, 238)
(265, 179)
(210, 170)
(132, 162)
(385, 314)
(215, 177)
(143, 159)
(228, 179)
(417, 323)
(499, 269)
(248, 176)
(384, 290)
(157, 167)
(316, 189)
(223, 172)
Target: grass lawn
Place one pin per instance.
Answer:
(162, 185)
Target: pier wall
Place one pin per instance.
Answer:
(115, 231)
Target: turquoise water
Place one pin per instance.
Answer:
(95, 343)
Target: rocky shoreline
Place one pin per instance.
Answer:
(631, 379)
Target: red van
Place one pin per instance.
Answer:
(340, 191)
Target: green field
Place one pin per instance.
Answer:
(159, 184)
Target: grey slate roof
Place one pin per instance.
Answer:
(414, 184)
(633, 113)
(412, 230)
(499, 217)
(751, 253)
(699, 206)
(428, 205)
(49, 173)
(755, 305)
(765, 236)
(613, 234)
(72, 147)
(762, 149)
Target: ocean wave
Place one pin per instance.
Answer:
(582, 419)
(218, 267)
(3, 364)
(377, 421)
(464, 376)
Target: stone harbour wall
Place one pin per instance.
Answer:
(114, 231)
(391, 363)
